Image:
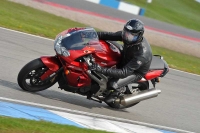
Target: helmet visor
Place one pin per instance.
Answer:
(129, 37)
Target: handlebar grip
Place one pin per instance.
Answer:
(88, 60)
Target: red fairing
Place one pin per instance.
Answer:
(52, 63)
(78, 79)
(74, 54)
(153, 74)
(77, 76)
(105, 55)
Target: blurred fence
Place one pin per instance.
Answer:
(118, 4)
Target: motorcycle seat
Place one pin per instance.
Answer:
(157, 63)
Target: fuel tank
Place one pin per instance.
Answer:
(107, 54)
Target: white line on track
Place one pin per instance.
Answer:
(94, 115)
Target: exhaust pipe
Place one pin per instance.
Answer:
(134, 98)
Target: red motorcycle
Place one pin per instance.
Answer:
(75, 48)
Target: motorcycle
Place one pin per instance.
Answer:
(75, 49)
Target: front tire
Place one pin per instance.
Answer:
(29, 77)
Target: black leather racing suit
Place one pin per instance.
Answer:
(135, 63)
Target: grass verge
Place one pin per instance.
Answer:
(184, 13)
(19, 17)
(16, 125)
(178, 60)
(26, 19)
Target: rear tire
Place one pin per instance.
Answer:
(141, 87)
(29, 77)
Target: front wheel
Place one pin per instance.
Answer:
(29, 77)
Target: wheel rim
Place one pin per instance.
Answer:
(33, 77)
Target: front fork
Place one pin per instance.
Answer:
(54, 67)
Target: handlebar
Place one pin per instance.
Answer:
(89, 60)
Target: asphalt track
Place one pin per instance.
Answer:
(176, 107)
(149, 23)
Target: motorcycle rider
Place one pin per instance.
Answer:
(136, 55)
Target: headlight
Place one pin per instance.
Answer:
(59, 49)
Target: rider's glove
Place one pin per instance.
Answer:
(95, 67)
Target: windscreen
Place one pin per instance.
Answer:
(77, 40)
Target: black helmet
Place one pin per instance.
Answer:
(133, 32)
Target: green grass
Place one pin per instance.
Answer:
(26, 19)
(15, 125)
(178, 60)
(185, 13)
(19, 17)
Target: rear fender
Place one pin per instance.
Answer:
(53, 63)
(153, 74)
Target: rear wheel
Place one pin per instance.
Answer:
(135, 88)
(29, 77)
